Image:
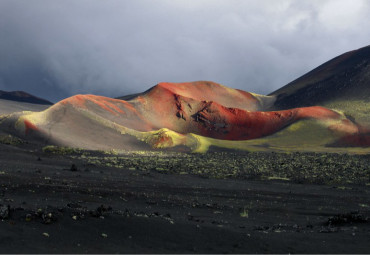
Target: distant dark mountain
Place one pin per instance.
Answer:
(21, 96)
(344, 78)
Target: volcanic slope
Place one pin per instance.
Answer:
(342, 83)
(197, 115)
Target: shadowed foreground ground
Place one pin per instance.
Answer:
(83, 204)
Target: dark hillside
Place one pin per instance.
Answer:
(346, 77)
(21, 96)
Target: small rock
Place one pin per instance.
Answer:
(46, 217)
(74, 168)
(4, 211)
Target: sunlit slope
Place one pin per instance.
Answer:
(83, 121)
(168, 115)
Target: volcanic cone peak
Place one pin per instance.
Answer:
(210, 91)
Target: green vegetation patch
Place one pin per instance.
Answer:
(10, 140)
(61, 150)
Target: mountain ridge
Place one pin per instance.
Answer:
(21, 96)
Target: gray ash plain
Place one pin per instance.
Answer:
(53, 201)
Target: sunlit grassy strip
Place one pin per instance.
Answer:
(359, 109)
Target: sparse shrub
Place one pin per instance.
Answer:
(245, 213)
(60, 150)
(10, 140)
(318, 168)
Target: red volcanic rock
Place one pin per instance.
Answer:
(235, 124)
(186, 107)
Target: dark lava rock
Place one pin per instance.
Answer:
(4, 211)
(100, 211)
(74, 168)
(46, 217)
(348, 218)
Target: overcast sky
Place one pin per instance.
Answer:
(57, 48)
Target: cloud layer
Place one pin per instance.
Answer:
(55, 49)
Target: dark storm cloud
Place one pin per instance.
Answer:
(58, 48)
